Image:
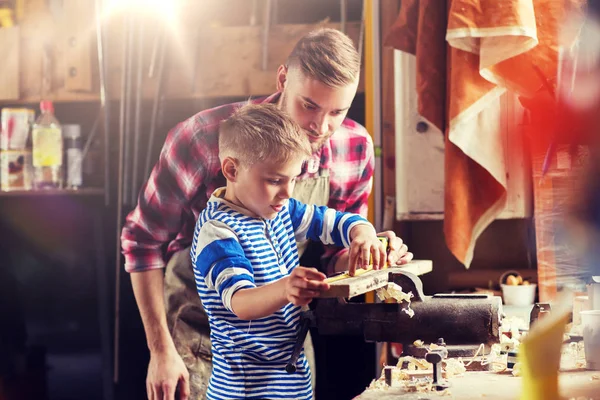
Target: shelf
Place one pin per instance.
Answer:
(53, 192)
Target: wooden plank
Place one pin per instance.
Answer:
(77, 41)
(356, 285)
(371, 280)
(417, 267)
(9, 67)
(544, 217)
(493, 386)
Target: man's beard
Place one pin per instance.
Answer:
(314, 146)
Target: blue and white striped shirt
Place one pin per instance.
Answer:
(233, 251)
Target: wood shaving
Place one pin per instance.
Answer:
(454, 367)
(509, 343)
(394, 291)
(516, 371)
(413, 363)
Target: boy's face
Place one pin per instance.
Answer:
(316, 107)
(265, 187)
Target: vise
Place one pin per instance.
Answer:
(463, 320)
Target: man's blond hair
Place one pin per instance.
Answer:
(328, 56)
(262, 132)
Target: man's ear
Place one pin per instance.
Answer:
(230, 168)
(282, 72)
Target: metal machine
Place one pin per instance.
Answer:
(463, 321)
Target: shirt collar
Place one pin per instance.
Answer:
(218, 196)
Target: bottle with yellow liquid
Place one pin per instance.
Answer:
(47, 149)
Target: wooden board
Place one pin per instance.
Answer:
(492, 386)
(9, 67)
(77, 39)
(372, 280)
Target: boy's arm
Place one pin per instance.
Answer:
(219, 259)
(298, 288)
(323, 224)
(333, 227)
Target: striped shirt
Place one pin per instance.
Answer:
(188, 171)
(233, 251)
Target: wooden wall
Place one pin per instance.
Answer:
(56, 53)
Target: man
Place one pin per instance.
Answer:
(315, 87)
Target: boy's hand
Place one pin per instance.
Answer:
(303, 285)
(365, 247)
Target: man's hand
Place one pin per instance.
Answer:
(166, 373)
(398, 253)
(304, 284)
(364, 248)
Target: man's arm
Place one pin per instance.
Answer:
(152, 224)
(166, 370)
(148, 290)
(357, 201)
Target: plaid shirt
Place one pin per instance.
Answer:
(188, 171)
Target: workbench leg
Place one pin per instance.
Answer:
(103, 306)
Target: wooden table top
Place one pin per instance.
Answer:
(495, 386)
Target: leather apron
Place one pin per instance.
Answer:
(186, 319)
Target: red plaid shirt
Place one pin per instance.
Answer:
(188, 171)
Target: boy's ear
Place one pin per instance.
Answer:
(229, 166)
(282, 72)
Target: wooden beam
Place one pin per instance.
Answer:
(389, 13)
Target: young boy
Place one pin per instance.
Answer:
(245, 257)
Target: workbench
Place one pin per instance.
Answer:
(495, 386)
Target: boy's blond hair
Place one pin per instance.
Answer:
(328, 56)
(262, 132)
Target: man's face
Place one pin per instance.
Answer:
(265, 187)
(316, 107)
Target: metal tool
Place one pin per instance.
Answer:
(538, 311)
(459, 319)
(135, 181)
(105, 114)
(265, 34)
(435, 358)
(161, 56)
(195, 45)
(104, 104)
(125, 111)
(304, 325)
(343, 15)
(120, 188)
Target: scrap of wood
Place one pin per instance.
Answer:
(364, 281)
(353, 286)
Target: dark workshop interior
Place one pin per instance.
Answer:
(127, 72)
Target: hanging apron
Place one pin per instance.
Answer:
(186, 319)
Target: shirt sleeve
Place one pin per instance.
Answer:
(165, 198)
(322, 224)
(219, 260)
